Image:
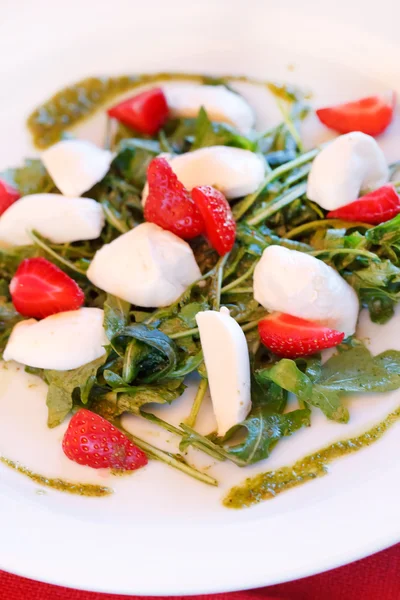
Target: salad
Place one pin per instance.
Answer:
(193, 245)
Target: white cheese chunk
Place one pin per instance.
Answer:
(63, 341)
(221, 104)
(226, 357)
(55, 217)
(350, 164)
(147, 266)
(76, 166)
(235, 172)
(300, 285)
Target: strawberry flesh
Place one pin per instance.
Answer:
(291, 337)
(169, 204)
(220, 226)
(145, 112)
(8, 195)
(40, 289)
(93, 441)
(377, 207)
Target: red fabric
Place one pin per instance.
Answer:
(374, 578)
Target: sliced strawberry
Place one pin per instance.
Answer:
(145, 112)
(291, 337)
(92, 441)
(371, 115)
(377, 207)
(220, 226)
(39, 289)
(169, 204)
(8, 195)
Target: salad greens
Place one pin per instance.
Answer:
(150, 352)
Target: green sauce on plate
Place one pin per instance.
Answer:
(268, 485)
(81, 489)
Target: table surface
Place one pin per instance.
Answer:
(374, 578)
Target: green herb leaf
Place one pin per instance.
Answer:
(32, 178)
(208, 133)
(66, 387)
(116, 314)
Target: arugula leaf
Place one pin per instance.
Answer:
(68, 387)
(162, 353)
(133, 159)
(256, 240)
(8, 318)
(31, 178)
(353, 370)
(116, 314)
(264, 430)
(385, 233)
(266, 393)
(208, 133)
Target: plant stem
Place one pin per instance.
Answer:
(217, 283)
(239, 280)
(355, 251)
(181, 334)
(38, 242)
(278, 204)
(113, 220)
(168, 458)
(312, 225)
(232, 267)
(128, 369)
(197, 402)
(206, 442)
(245, 290)
(250, 325)
(275, 174)
(175, 430)
(287, 119)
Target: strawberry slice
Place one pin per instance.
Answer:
(169, 204)
(39, 289)
(145, 112)
(291, 337)
(220, 226)
(377, 207)
(371, 115)
(92, 441)
(8, 195)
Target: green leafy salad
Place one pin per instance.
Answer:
(192, 244)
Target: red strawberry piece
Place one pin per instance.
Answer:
(8, 195)
(371, 115)
(145, 112)
(291, 337)
(169, 204)
(93, 441)
(220, 226)
(39, 289)
(377, 207)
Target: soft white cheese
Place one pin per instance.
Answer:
(57, 218)
(147, 266)
(302, 286)
(76, 166)
(235, 172)
(62, 342)
(350, 164)
(221, 104)
(226, 357)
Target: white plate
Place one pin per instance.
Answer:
(162, 533)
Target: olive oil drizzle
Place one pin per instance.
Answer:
(266, 486)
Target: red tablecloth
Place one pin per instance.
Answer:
(374, 578)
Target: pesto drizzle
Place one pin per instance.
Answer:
(266, 486)
(80, 489)
(73, 104)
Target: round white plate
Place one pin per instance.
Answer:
(162, 533)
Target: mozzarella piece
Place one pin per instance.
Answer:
(147, 266)
(235, 172)
(219, 103)
(63, 341)
(350, 164)
(228, 367)
(300, 285)
(76, 166)
(55, 217)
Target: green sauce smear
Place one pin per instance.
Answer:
(81, 100)
(266, 486)
(80, 489)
